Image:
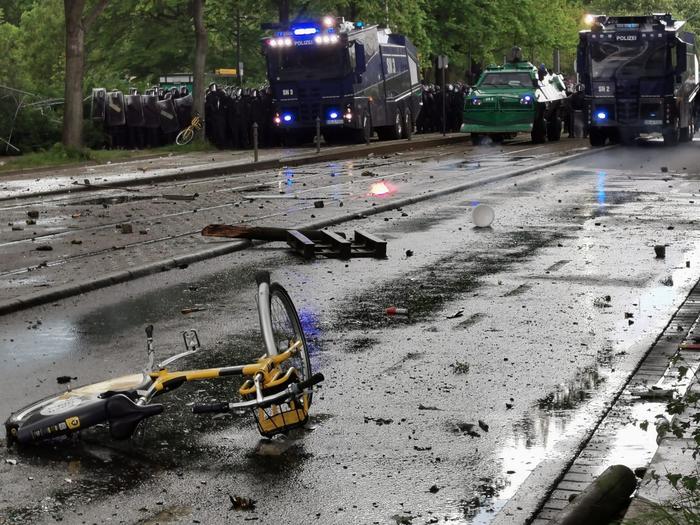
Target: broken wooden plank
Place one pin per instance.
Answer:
(375, 246)
(338, 246)
(260, 233)
(301, 243)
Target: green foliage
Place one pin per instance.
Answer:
(133, 42)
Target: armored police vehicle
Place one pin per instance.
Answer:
(512, 98)
(354, 78)
(640, 75)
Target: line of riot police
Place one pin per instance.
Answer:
(430, 117)
(155, 118)
(141, 120)
(229, 115)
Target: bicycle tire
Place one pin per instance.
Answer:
(184, 137)
(68, 412)
(287, 329)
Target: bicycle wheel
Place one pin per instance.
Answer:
(184, 137)
(287, 330)
(81, 408)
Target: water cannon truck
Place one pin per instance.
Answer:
(640, 76)
(355, 79)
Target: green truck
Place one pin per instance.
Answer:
(513, 98)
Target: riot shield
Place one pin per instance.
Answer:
(183, 108)
(98, 104)
(134, 111)
(168, 116)
(115, 109)
(151, 111)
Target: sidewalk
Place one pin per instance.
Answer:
(51, 181)
(675, 454)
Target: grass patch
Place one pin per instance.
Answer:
(58, 155)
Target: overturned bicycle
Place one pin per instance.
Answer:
(277, 387)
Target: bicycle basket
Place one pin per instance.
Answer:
(279, 418)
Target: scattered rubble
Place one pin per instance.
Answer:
(460, 368)
(602, 302)
(379, 421)
(191, 309)
(393, 310)
(241, 503)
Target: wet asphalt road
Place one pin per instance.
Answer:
(395, 435)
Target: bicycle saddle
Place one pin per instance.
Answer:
(124, 415)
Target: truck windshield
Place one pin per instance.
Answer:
(628, 59)
(516, 79)
(308, 62)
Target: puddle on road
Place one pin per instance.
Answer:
(554, 417)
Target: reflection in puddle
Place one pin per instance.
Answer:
(558, 415)
(570, 395)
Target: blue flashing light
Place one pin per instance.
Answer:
(333, 114)
(302, 31)
(287, 117)
(526, 99)
(359, 25)
(601, 115)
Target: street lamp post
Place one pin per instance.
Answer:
(239, 73)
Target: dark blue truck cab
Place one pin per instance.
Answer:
(354, 79)
(640, 75)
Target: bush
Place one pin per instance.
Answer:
(33, 129)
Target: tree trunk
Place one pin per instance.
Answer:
(75, 64)
(200, 55)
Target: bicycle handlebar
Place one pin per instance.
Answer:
(292, 390)
(262, 277)
(204, 408)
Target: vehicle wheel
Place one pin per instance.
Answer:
(396, 131)
(554, 129)
(539, 130)
(626, 136)
(286, 329)
(476, 139)
(331, 137)
(407, 124)
(597, 137)
(364, 134)
(671, 136)
(497, 138)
